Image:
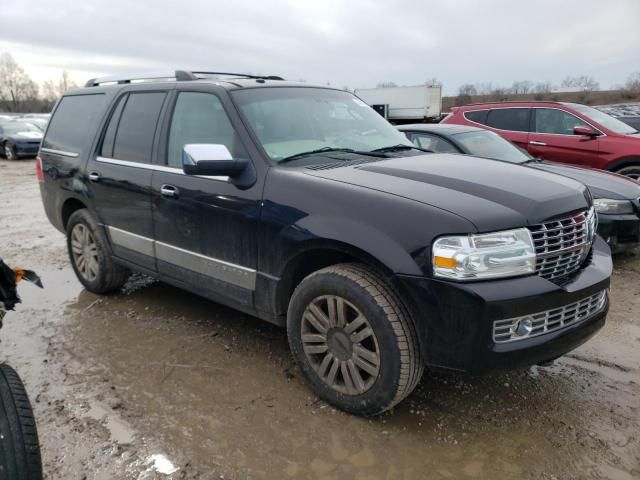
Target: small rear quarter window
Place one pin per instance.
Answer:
(73, 121)
(478, 116)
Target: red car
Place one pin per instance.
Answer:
(561, 132)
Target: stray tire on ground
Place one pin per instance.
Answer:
(19, 447)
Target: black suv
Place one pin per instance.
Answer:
(300, 205)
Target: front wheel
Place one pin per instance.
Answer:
(19, 447)
(353, 339)
(10, 152)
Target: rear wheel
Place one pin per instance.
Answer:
(19, 447)
(90, 255)
(353, 339)
(10, 152)
(631, 171)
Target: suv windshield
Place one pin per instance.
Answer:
(607, 121)
(292, 120)
(491, 145)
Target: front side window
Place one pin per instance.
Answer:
(293, 120)
(433, 143)
(200, 118)
(71, 124)
(491, 145)
(512, 119)
(129, 135)
(607, 121)
(551, 120)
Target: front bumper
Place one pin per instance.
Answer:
(455, 320)
(622, 232)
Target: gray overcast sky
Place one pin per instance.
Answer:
(355, 43)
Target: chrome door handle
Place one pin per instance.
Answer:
(168, 191)
(535, 142)
(94, 176)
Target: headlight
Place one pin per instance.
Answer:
(610, 206)
(490, 255)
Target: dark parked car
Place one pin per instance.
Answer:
(560, 132)
(616, 198)
(302, 206)
(19, 139)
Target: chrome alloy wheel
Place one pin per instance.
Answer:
(85, 252)
(340, 345)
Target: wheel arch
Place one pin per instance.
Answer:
(623, 162)
(70, 206)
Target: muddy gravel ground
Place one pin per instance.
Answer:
(154, 382)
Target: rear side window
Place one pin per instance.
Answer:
(478, 116)
(73, 122)
(514, 119)
(131, 132)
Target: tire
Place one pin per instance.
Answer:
(9, 152)
(383, 351)
(631, 171)
(19, 447)
(90, 255)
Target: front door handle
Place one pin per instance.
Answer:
(169, 191)
(94, 176)
(535, 142)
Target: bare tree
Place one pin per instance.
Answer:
(521, 87)
(433, 82)
(467, 89)
(484, 88)
(543, 87)
(583, 82)
(633, 82)
(16, 87)
(386, 85)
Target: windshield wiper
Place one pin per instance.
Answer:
(400, 147)
(328, 150)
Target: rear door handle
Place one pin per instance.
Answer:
(535, 142)
(94, 176)
(169, 191)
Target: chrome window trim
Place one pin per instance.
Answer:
(59, 152)
(601, 133)
(157, 168)
(222, 270)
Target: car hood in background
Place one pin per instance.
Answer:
(26, 136)
(601, 183)
(493, 195)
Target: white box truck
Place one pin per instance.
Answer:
(420, 103)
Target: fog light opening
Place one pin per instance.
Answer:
(522, 328)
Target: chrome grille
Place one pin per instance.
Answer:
(528, 326)
(561, 245)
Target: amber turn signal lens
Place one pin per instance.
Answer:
(444, 262)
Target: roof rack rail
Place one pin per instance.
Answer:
(177, 75)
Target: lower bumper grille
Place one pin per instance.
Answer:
(521, 328)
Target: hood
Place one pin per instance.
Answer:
(27, 136)
(602, 184)
(493, 195)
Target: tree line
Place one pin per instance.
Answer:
(20, 93)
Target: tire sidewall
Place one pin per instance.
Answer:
(9, 152)
(383, 391)
(85, 218)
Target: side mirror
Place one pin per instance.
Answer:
(211, 159)
(584, 130)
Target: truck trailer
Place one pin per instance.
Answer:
(420, 103)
